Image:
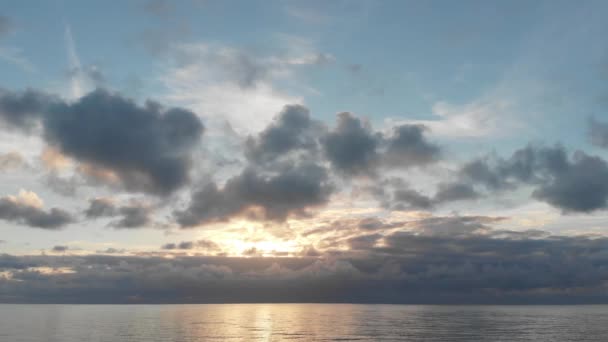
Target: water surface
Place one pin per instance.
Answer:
(301, 322)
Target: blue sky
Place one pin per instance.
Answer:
(281, 128)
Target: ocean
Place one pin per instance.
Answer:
(301, 322)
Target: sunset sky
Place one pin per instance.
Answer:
(361, 151)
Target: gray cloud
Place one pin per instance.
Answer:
(289, 192)
(424, 264)
(187, 245)
(451, 192)
(148, 148)
(292, 130)
(582, 186)
(351, 146)
(409, 147)
(60, 249)
(21, 213)
(23, 110)
(576, 183)
(133, 215)
(100, 207)
(396, 194)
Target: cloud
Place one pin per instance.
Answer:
(23, 110)
(576, 183)
(147, 148)
(26, 209)
(132, 215)
(435, 260)
(396, 194)
(206, 245)
(60, 249)
(354, 148)
(581, 187)
(100, 207)
(451, 192)
(291, 130)
(351, 145)
(289, 192)
(144, 148)
(409, 147)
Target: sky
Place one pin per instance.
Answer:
(157, 151)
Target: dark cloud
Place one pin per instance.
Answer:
(451, 192)
(576, 183)
(396, 194)
(132, 215)
(187, 245)
(598, 133)
(100, 207)
(21, 213)
(23, 110)
(582, 186)
(289, 192)
(455, 226)
(409, 199)
(363, 242)
(409, 147)
(423, 264)
(60, 249)
(292, 130)
(351, 146)
(148, 148)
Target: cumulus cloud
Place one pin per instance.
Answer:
(27, 209)
(397, 194)
(292, 130)
(409, 147)
(351, 145)
(289, 192)
(23, 110)
(132, 215)
(575, 183)
(145, 148)
(354, 148)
